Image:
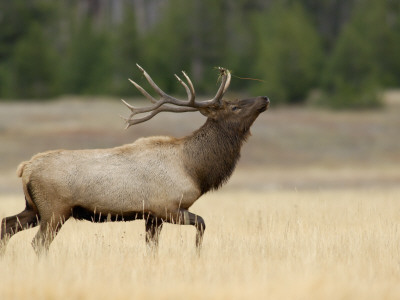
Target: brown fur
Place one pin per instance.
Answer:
(215, 148)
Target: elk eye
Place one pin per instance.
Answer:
(235, 108)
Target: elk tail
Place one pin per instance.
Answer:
(20, 169)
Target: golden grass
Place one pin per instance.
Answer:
(331, 244)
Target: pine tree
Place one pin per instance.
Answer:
(128, 50)
(288, 54)
(190, 36)
(87, 65)
(364, 59)
(33, 65)
(27, 54)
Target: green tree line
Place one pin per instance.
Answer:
(342, 52)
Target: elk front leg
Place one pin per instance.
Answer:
(185, 217)
(153, 230)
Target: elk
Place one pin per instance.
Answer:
(155, 178)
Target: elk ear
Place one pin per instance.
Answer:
(208, 112)
(228, 103)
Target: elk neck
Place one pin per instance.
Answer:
(211, 152)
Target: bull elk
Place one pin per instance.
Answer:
(155, 178)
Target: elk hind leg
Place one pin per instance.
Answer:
(49, 227)
(11, 225)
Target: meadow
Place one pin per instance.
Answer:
(312, 212)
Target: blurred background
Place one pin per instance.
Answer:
(330, 67)
(336, 52)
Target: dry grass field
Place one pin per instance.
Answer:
(312, 212)
(273, 245)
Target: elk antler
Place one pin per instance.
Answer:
(179, 105)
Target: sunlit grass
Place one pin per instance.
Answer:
(334, 244)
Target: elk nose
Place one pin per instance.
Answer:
(266, 99)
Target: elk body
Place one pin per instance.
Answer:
(156, 178)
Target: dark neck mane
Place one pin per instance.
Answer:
(211, 153)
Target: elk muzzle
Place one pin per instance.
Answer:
(263, 103)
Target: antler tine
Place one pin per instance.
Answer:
(188, 92)
(131, 121)
(189, 89)
(136, 110)
(127, 104)
(165, 98)
(143, 91)
(226, 80)
(151, 82)
(193, 94)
